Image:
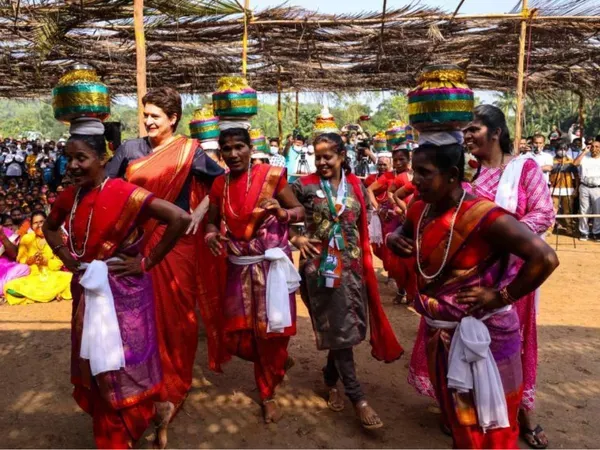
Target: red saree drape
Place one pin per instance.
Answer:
(384, 345)
(251, 232)
(121, 403)
(185, 277)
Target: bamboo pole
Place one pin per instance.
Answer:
(279, 111)
(581, 114)
(245, 39)
(140, 52)
(297, 121)
(521, 77)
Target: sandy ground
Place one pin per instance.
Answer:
(36, 409)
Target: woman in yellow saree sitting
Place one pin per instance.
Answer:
(46, 282)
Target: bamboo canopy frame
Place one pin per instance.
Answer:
(191, 43)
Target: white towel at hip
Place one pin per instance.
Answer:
(101, 340)
(472, 367)
(282, 280)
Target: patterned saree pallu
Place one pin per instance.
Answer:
(395, 134)
(379, 142)
(79, 93)
(442, 101)
(205, 125)
(234, 98)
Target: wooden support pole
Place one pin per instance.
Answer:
(581, 114)
(245, 39)
(140, 52)
(279, 111)
(521, 79)
(297, 121)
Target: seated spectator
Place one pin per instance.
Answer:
(46, 281)
(9, 268)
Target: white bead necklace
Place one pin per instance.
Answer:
(89, 222)
(423, 214)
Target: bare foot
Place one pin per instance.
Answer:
(367, 415)
(289, 363)
(164, 413)
(336, 400)
(271, 411)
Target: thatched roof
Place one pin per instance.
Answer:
(191, 43)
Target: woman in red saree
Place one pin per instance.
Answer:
(466, 294)
(392, 215)
(104, 219)
(176, 169)
(253, 206)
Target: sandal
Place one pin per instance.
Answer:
(362, 406)
(400, 298)
(531, 437)
(335, 401)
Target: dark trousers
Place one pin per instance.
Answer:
(340, 365)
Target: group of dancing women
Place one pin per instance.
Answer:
(162, 232)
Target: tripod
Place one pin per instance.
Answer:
(303, 168)
(563, 200)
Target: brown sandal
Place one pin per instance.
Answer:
(363, 407)
(335, 401)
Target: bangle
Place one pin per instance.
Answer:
(209, 236)
(57, 248)
(144, 264)
(287, 217)
(506, 298)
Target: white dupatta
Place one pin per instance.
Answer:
(507, 195)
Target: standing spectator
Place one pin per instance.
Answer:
(276, 159)
(542, 157)
(575, 149)
(589, 190)
(563, 186)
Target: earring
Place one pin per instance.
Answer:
(451, 180)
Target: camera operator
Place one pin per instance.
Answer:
(563, 181)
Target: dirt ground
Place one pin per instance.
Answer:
(36, 409)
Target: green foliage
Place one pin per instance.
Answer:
(17, 117)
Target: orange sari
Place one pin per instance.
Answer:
(180, 280)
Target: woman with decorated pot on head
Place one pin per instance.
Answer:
(339, 285)
(466, 289)
(260, 151)
(115, 362)
(517, 184)
(248, 219)
(176, 169)
(204, 126)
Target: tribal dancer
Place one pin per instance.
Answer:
(255, 205)
(115, 361)
(466, 292)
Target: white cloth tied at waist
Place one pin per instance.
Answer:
(282, 280)
(471, 366)
(375, 230)
(101, 341)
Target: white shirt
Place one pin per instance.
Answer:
(590, 172)
(544, 159)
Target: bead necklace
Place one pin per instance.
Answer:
(447, 251)
(227, 196)
(89, 222)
